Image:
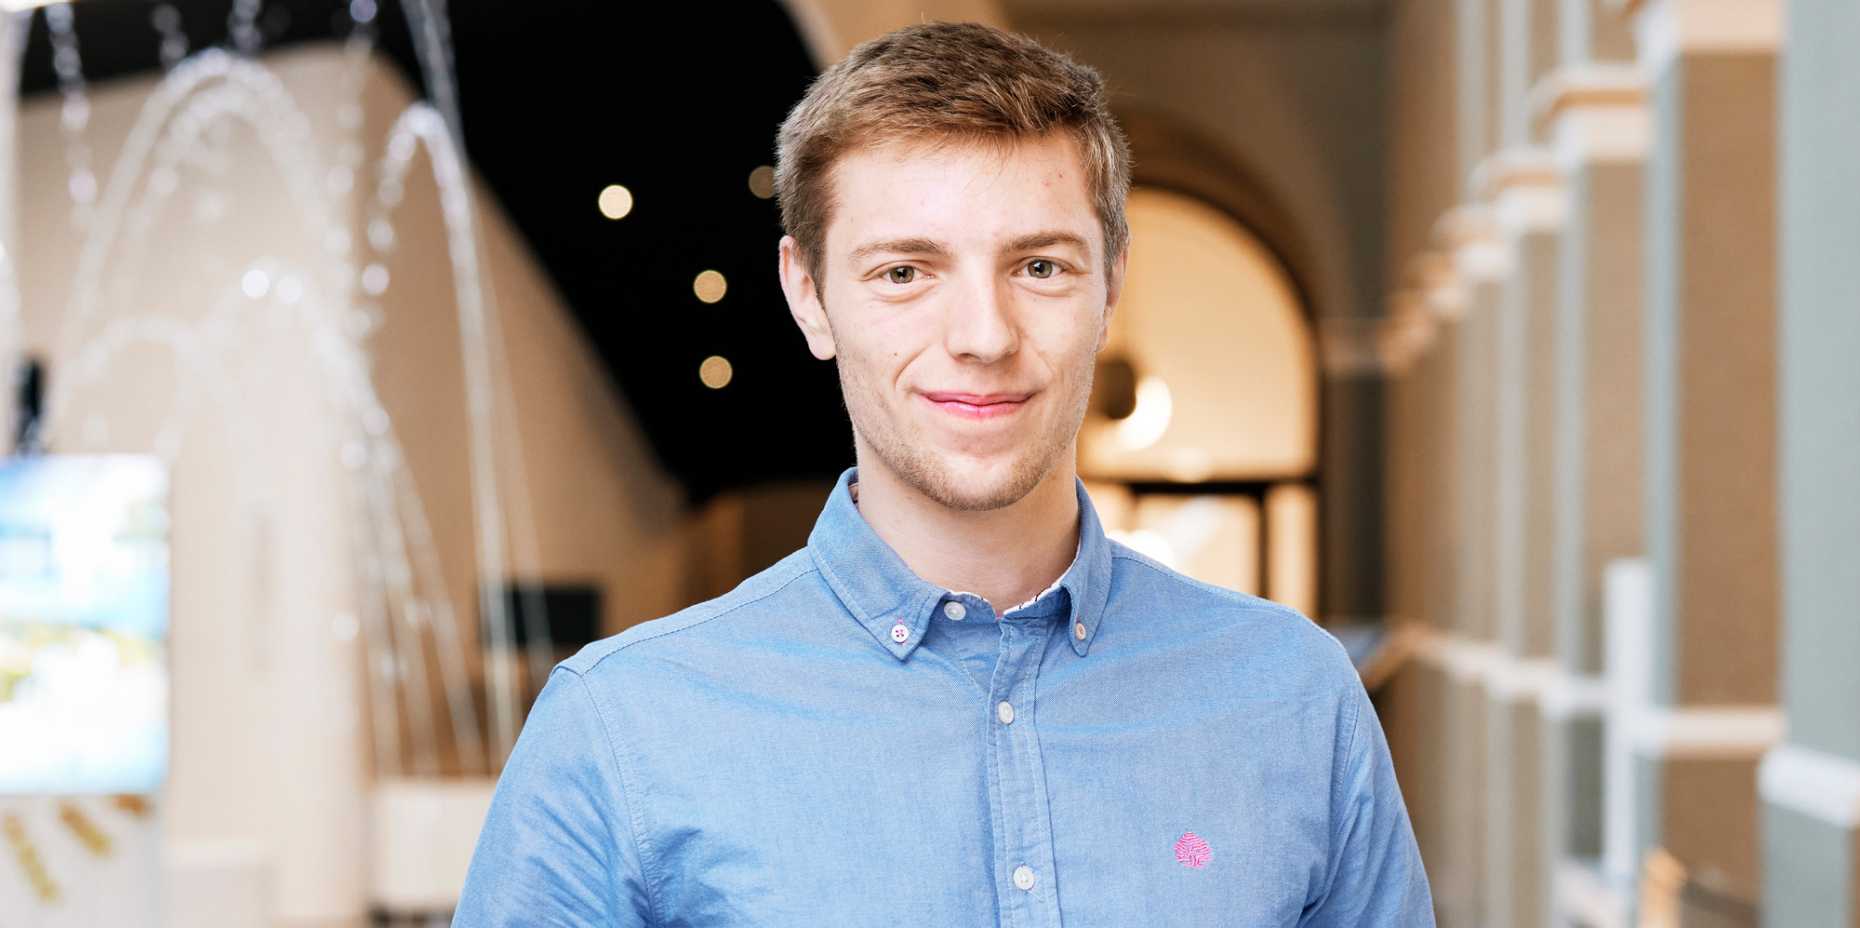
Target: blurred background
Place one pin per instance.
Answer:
(369, 357)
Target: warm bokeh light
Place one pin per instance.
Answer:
(710, 286)
(1150, 419)
(762, 182)
(616, 201)
(716, 372)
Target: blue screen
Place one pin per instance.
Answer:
(83, 624)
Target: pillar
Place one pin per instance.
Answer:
(1410, 714)
(1352, 462)
(1710, 472)
(1474, 50)
(1529, 39)
(1596, 118)
(1428, 526)
(1811, 783)
(1529, 207)
(1480, 265)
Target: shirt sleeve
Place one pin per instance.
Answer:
(558, 846)
(1375, 873)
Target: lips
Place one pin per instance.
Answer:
(977, 405)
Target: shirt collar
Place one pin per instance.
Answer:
(881, 591)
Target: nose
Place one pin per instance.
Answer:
(979, 325)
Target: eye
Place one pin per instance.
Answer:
(1041, 269)
(902, 274)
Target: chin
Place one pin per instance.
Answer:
(972, 485)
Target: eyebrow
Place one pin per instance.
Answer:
(908, 246)
(925, 246)
(1046, 239)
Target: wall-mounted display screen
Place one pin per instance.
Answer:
(83, 624)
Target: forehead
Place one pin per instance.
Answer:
(974, 192)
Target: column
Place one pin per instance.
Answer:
(1409, 712)
(1811, 783)
(1402, 343)
(1596, 116)
(1529, 206)
(1710, 473)
(1600, 131)
(1474, 49)
(1480, 267)
(1441, 817)
(1439, 527)
(1530, 38)
(1352, 456)
(1592, 31)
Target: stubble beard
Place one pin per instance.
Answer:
(922, 469)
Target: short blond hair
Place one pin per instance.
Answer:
(946, 82)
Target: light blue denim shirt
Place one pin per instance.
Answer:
(837, 742)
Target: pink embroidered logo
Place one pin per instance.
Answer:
(1192, 852)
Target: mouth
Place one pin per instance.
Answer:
(977, 406)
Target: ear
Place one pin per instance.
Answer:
(1113, 289)
(797, 283)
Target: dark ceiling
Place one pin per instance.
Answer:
(559, 100)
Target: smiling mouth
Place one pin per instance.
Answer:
(978, 405)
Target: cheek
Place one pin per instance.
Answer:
(1073, 344)
(887, 340)
(871, 357)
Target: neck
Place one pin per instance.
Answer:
(1007, 556)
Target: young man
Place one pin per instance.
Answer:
(911, 721)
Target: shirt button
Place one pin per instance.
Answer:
(954, 610)
(1078, 630)
(1023, 874)
(1005, 713)
(900, 632)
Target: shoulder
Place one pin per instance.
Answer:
(1277, 646)
(751, 598)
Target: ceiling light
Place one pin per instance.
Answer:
(710, 286)
(715, 372)
(762, 182)
(616, 201)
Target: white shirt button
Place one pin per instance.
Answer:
(1004, 712)
(1078, 630)
(955, 610)
(900, 632)
(1023, 874)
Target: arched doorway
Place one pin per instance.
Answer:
(1201, 447)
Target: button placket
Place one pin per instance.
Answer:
(1025, 831)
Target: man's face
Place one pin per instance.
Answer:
(966, 298)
